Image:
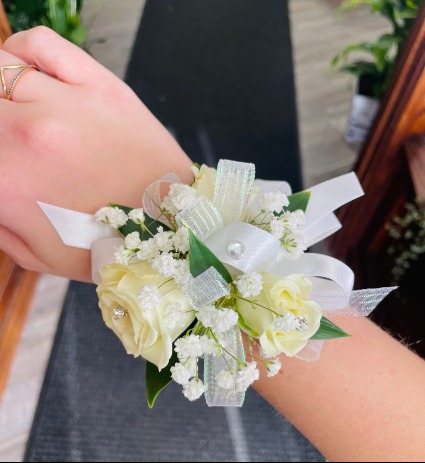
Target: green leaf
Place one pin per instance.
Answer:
(157, 381)
(201, 259)
(130, 227)
(244, 327)
(299, 201)
(329, 330)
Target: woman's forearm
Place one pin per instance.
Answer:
(364, 400)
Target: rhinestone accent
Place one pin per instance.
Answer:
(118, 313)
(301, 324)
(236, 250)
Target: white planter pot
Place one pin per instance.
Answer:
(363, 112)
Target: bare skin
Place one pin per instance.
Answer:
(77, 137)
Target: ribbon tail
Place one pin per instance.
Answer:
(312, 351)
(216, 396)
(76, 229)
(350, 304)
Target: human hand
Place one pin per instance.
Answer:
(74, 136)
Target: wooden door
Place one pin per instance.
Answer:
(391, 168)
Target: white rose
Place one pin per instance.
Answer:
(282, 295)
(142, 331)
(204, 183)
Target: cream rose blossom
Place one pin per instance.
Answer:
(204, 183)
(282, 295)
(142, 331)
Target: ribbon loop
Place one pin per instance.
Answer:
(215, 395)
(233, 188)
(257, 247)
(202, 218)
(206, 289)
(152, 197)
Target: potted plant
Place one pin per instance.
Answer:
(63, 16)
(373, 72)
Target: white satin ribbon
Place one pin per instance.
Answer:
(76, 229)
(327, 197)
(260, 248)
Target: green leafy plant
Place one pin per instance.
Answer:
(381, 55)
(63, 16)
(408, 238)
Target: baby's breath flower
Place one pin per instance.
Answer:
(182, 274)
(164, 240)
(149, 297)
(220, 320)
(148, 250)
(289, 221)
(181, 240)
(210, 346)
(164, 264)
(122, 255)
(189, 346)
(299, 216)
(250, 284)
(225, 379)
(180, 197)
(292, 246)
(246, 376)
(194, 389)
(137, 216)
(174, 316)
(286, 323)
(133, 241)
(273, 202)
(181, 374)
(277, 228)
(113, 216)
(273, 367)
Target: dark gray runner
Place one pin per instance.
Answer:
(219, 74)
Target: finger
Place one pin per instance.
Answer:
(13, 246)
(23, 85)
(53, 54)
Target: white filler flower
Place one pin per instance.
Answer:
(137, 216)
(181, 374)
(148, 250)
(149, 297)
(164, 265)
(194, 389)
(246, 376)
(273, 367)
(225, 379)
(181, 240)
(113, 216)
(189, 346)
(133, 241)
(179, 197)
(250, 284)
(273, 202)
(220, 320)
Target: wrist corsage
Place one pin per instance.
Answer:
(181, 278)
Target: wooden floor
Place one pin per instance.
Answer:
(323, 106)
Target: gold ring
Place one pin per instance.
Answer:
(7, 93)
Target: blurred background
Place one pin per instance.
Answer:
(306, 89)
